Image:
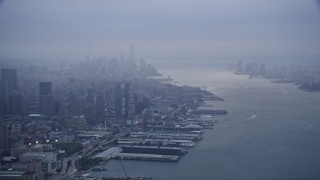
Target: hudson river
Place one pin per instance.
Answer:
(272, 131)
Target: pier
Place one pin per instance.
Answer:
(209, 111)
(156, 142)
(154, 150)
(142, 153)
(177, 136)
(147, 157)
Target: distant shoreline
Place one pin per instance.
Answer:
(303, 87)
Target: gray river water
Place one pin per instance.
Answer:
(272, 131)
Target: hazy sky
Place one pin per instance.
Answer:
(160, 29)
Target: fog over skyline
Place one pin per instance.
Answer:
(160, 30)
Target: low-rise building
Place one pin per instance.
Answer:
(48, 160)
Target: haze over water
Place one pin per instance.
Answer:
(270, 132)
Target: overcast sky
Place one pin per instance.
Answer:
(160, 29)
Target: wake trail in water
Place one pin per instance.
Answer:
(241, 120)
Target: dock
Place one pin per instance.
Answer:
(177, 136)
(147, 157)
(156, 142)
(141, 153)
(209, 111)
(154, 150)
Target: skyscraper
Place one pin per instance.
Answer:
(133, 98)
(4, 145)
(100, 107)
(90, 96)
(118, 100)
(57, 107)
(15, 104)
(46, 98)
(3, 97)
(72, 103)
(32, 101)
(10, 76)
(45, 88)
(107, 96)
(8, 84)
(47, 105)
(126, 99)
(89, 112)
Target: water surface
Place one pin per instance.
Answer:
(272, 131)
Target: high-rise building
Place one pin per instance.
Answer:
(118, 100)
(45, 88)
(8, 85)
(46, 98)
(89, 113)
(4, 145)
(47, 105)
(131, 64)
(133, 98)
(10, 76)
(90, 96)
(80, 104)
(3, 97)
(72, 103)
(107, 96)
(32, 101)
(61, 106)
(15, 104)
(100, 107)
(142, 65)
(57, 107)
(126, 99)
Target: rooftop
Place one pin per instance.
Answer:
(40, 155)
(97, 134)
(108, 152)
